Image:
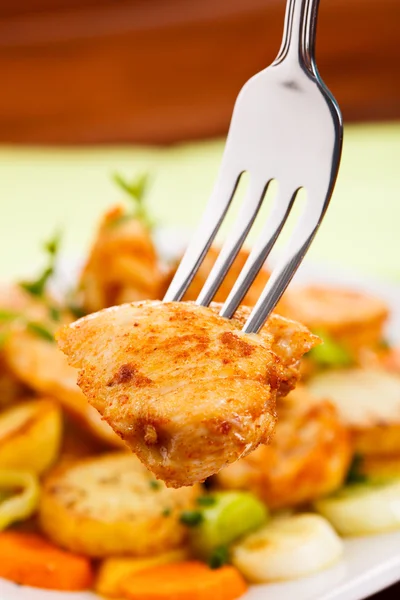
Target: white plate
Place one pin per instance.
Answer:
(369, 564)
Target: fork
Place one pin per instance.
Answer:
(286, 126)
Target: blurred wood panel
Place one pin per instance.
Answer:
(160, 71)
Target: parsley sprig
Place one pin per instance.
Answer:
(136, 190)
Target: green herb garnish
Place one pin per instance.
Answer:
(166, 512)
(155, 485)
(206, 500)
(55, 313)
(8, 315)
(136, 190)
(40, 331)
(191, 518)
(219, 557)
(37, 287)
(355, 474)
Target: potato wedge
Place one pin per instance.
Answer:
(368, 401)
(30, 436)
(41, 366)
(111, 505)
(113, 571)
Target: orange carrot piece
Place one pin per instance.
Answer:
(28, 559)
(181, 581)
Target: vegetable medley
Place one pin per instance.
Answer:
(79, 511)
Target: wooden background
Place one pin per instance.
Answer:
(161, 71)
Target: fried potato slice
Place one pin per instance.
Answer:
(353, 319)
(40, 365)
(187, 390)
(368, 401)
(230, 279)
(123, 265)
(308, 457)
(111, 505)
(30, 436)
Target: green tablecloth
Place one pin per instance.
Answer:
(41, 189)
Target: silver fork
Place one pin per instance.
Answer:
(285, 126)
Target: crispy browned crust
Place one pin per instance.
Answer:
(308, 457)
(186, 389)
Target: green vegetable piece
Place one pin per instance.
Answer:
(166, 512)
(40, 331)
(232, 515)
(219, 557)
(8, 315)
(191, 518)
(206, 500)
(55, 313)
(330, 353)
(355, 474)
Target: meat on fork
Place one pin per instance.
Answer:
(186, 389)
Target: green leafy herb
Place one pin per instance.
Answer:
(166, 512)
(355, 474)
(219, 557)
(155, 485)
(39, 330)
(8, 315)
(330, 353)
(37, 287)
(191, 518)
(136, 191)
(206, 500)
(55, 313)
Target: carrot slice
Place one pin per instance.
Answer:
(28, 559)
(180, 581)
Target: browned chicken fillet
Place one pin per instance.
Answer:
(122, 265)
(198, 282)
(186, 389)
(308, 457)
(354, 319)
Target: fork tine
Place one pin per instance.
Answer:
(283, 203)
(281, 276)
(217, 207)
(232, 245)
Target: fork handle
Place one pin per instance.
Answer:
(298, 42)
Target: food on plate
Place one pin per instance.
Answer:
(368, 401)
(111, 505)
(308, 457)
(287, 547)
(113, 571)
(123, 265)
(19, 496)
(219, 519)
(351, 319)
(140, 364)
(364, 508)
(230, 279)
(30, 435)
(28, 559)
(192, 396)
(181, 581)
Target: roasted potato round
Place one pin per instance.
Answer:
(368, 401)
(111, 505)
(30, 436)
(308, 457)
(354, 319)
